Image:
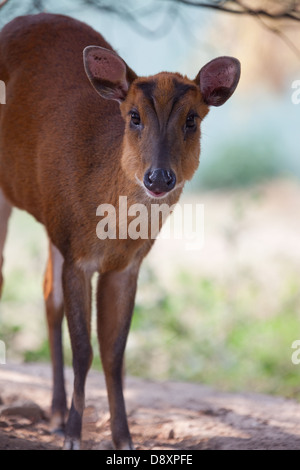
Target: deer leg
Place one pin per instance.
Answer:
(77, 297)
(115, 302)
(54, 302)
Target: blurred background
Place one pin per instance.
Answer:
(227, 314)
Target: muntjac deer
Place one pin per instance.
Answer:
(76, 133)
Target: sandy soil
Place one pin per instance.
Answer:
(169, 415)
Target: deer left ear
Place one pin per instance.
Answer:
(218, 79)
(107, 72)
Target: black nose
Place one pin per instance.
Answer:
(159, 180)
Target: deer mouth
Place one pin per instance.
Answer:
(156, 195)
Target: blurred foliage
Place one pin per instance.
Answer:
(271, 9)
(241, 163)
(214, 332)
(273, 15)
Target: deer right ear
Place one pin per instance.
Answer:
(218, 79)
(107, 72)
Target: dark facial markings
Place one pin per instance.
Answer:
(147, 88)
(179, 90)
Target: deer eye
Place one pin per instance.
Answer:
(190, 122)
(135, 118)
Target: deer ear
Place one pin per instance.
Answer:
(218, 80)
(107, 72)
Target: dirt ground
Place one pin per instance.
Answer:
(162, 416)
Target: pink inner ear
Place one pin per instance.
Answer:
(105, 65)
(222, 73)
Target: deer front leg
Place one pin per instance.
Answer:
(115, 302)
(77, 297)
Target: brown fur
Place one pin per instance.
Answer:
(64, 151)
